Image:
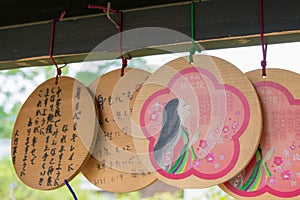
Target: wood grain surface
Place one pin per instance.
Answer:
(115, 165)
(217, 136)
(273, 172)
(54, 133)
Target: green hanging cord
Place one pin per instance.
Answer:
(193, 49)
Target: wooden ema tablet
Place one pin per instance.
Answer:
(115, 165)
(202, 123)
(274, 172)
(54, 133)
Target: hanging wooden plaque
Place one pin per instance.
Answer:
(115, 165)
(202, 121)
(274, 171)
(54, 133)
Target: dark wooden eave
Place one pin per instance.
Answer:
(25, 27)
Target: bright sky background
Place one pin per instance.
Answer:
(285, 56)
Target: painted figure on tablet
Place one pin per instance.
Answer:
(174, 136)
(258, 176)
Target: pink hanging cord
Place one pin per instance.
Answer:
(52, 36)
(262, 39)
(124, 60)
(120, 29)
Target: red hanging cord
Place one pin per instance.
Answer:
(102, 8)
(262, 39)
(52, 36)
(124, 60)
(119, 26)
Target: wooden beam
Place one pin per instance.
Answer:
(16, 12)
(219, 24)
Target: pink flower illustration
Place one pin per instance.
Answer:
(196, 163)
(278, 168)
(202, 143)
(278, 160)
(226, 129)
(210, 158)
(293, 183)
(157, 107)
(287, 162)
(272, 180)
(220, 140)
(286, 175)
(217, 130)
(222, 157)
(286, 153)
(216, 165)
(153, 117)
(293, 147)
(155, 110)
(235, 125)
(167, 159)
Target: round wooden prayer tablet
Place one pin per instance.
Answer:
(115, 165)
(202, 122)
(54, 133)
(274, 171)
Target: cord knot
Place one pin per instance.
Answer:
(263, 63)
(124, 64)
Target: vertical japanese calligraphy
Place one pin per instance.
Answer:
(47, 147)
(115, 165)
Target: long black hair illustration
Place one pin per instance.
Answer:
(169, 134)
(173, 129)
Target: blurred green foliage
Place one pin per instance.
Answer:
(12, 188)
(157, 196)
(15, 87)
